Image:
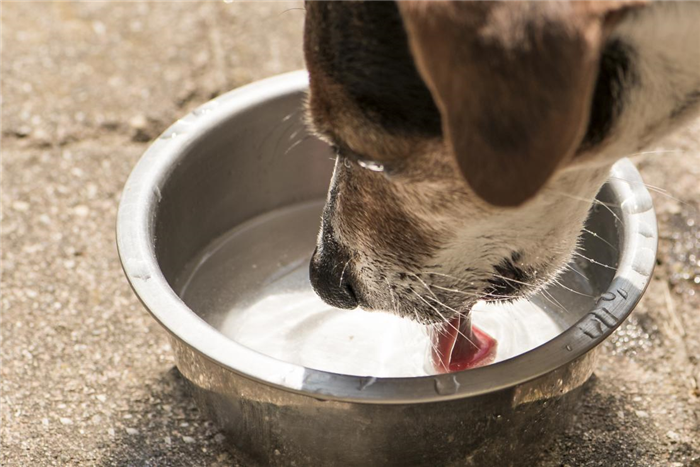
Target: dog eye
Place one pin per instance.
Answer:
(371, 165)
(348, 156)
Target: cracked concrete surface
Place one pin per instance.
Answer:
(87, 376)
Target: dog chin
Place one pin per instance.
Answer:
(418, 298)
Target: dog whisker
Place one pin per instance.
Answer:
(290, 9)
(342, 273)
(508, 279)
(415, 314)
(424, 285)
(462, 292)
(445, 319)
(600, 238)
(605, 205)
(391, 296)
(289, 115)
(434, 346)
(446, 306)
(550, 298)
(570, 289)
(458, 279)
(432, 328)
(580, 198)
(297, 143)
(590, 201)
(660, 151)
(654, 189)
(474, 294)
(571, 268)
(594, 261)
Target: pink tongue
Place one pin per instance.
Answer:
(461, 346)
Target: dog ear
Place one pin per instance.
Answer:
(513, 82)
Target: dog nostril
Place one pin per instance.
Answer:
(351, 292)
(332, 282)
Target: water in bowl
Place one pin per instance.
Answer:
(252, 285)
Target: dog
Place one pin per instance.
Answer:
(472, 137)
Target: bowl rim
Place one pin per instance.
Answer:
(135, 244)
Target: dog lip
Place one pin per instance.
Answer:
(509, 283)
(502, 289)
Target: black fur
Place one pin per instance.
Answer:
(616, 75)
(513, 279)
(330, 278)
(363, 47)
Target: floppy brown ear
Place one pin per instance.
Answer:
(513, 82)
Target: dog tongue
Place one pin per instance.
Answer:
(460, 346)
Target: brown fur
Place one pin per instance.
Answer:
(513, 83)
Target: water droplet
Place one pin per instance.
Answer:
(644, 260)
(143, 276)
(646, 230)
(635, 206)
(446, 385)
(169, 134)
(608, 296)
(371, 165)
(201, 111)
(138, 269)
(366, 382)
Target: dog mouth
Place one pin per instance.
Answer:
(458, 345)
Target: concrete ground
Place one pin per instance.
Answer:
(87, 376)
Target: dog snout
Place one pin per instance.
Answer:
(331, 278)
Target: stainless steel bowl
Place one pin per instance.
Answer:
(233, 159)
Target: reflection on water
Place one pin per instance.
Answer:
(252, 285)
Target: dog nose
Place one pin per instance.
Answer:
(331, 278)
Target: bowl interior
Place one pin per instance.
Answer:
(237, 222)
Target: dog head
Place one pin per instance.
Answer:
(471, 139)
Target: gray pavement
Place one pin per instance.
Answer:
(87, 376)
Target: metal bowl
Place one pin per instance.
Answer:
(233, 159)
